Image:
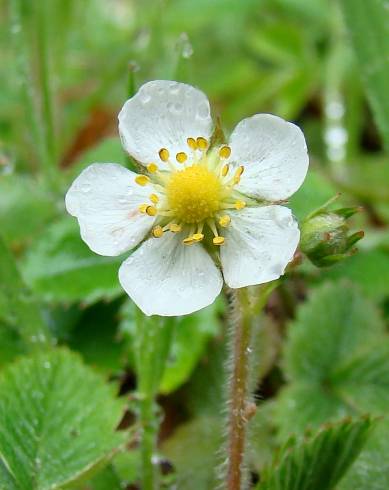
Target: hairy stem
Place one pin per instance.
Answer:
(238, 391)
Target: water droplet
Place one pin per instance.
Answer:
(85, 188)
(174, 88)
(144, 97)
(203, 111)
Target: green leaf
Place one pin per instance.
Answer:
(58, 422)
(61, 268)
(336, 358)
(317, 462)
(368, 23)
(370, 471)
(18, 308)
(367, 269)
(193, 451)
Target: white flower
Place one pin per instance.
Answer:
(198, 210)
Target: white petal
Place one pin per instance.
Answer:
(165, 277)
(260, 242)
(105, 199)
(163, 114)
(274, 154)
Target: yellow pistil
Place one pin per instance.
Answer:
(157, 231)
(239, 205)
(225, 152)
(225, 170)
(142, 180)
(163, 154)
(202, 143)
(151, 210)
(154, 198)
(218, 240)
(152, 168)
(174, 227)
(194, 194)
(192, 143)
(225, 221)
(181, 157)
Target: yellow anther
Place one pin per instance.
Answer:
(224, 221)
(154, 198)
(151, 210)
(174, 227)
(239, 205)
(197, 237)
(188, 241)
(152, 168)
(224, 152)
(238, 173)
(142, 180)
(163, 154)
(143, 208)
(181, 157)
(202, 143)
(157, 231)
(225, 170)
(218, 240)
(192, 143)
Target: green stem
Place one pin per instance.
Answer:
(239, 383)
(148, 443)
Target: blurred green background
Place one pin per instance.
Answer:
(66, 68)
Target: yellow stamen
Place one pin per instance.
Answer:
(181, 157)
(192, 143)
(225, 170)
(174, 227)
(143, 207)
(197, 237)
(154, 198)
(218, 240)
(225, 221)
(202, 143)
(151, 210)
(152, 168)
(157, 231)
(224, 152)
(188, 241)
(142, 180)
(239, 205)
(163, 154)
(239, 171)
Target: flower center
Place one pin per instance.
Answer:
(194, 194)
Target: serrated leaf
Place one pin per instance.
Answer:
(368, 23)
(317, 462)
(336, 357)
(58, 421)
(61, 268)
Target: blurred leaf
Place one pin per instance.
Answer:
(371, 470)
(61, 268)
(337, 333)
(58, 422)
(11, 344)
(193, 452)
(190, 335)
(369, 270)
(25, 207)
(18, 307)
(368, 23)
(317, 462)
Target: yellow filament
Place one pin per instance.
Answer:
(202, 143)
(224, 221)
(157, 231)
(152, 168)
(181, 157)
(163, 154)
(225, 152)
(142, 180)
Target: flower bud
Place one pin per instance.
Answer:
(325, 237)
